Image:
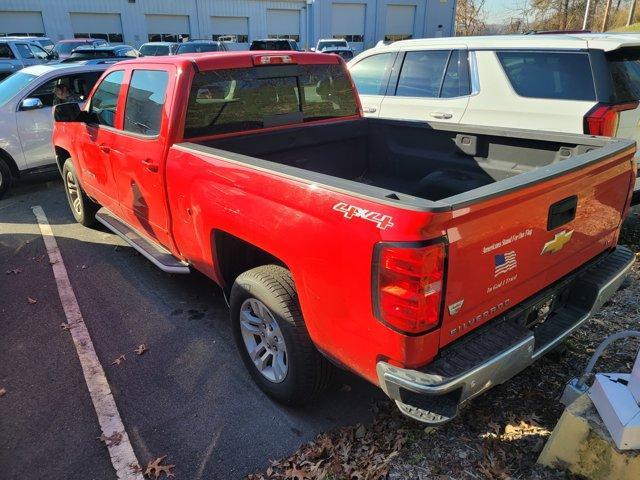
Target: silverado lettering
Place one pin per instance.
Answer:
(264, 149)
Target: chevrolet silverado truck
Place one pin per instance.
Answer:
(434, 260)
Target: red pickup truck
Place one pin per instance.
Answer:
(433, 260)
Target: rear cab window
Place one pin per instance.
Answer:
(551, 75)
(231, 100)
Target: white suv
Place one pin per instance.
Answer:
(577, 83)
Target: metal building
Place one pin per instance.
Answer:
(362, 22)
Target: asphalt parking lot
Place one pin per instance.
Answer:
(188, 397)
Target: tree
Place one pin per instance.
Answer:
(470, 17)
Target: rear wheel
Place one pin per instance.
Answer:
(82, 207)
(272, 337)
(5, 177)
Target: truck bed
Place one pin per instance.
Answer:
(434, 166)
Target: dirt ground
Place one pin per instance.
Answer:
(499, 435)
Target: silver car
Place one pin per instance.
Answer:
(26, 120)
(16, 54)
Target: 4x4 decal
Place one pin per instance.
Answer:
(351, 211)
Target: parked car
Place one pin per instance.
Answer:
(109, 51)
(335, 236)
(201, 46)
(334, 44)
(26, 122)
(345, 54)
(574, 83)
(275, 44)
(64, 47)
(155, 49)
(44, 42)
(16, 54)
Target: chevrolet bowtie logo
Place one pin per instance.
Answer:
(558, 243)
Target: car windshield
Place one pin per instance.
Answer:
(66, 48)
(89, 54)
(331, 44)
(154, 50)
(198, 47)
(270, 45)
(625, 72)
(11, 85)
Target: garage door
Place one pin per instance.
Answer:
(400, 20)
(231, 29)
(21, 23)
(167, 28)
(283, 24)
(97, 25)
(347, 21)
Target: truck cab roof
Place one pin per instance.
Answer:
(235, 59)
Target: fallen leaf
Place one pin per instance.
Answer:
(135, 468)
(141, 349)
(119, 360)
(65, 326)
(295, 474)
(154, 468)
(3, 391)
(114, 439)
(15, 271)
(31, 300)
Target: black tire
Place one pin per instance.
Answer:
(308, 372)
(6, 179)
(82, 207)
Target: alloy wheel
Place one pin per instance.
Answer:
(263, 340)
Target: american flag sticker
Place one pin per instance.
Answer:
(505, 262)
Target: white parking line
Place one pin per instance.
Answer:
(122, 455)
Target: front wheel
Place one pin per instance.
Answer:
(272, 338)
(82, 207)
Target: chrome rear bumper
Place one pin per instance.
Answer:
(471, 365)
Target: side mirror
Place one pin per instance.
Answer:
(31, 104)
(67, 112)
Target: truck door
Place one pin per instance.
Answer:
(97, 140)
(371, 76)
(431, 86)
(139, 153)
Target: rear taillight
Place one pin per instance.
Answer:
(408, 286)
(603, 119)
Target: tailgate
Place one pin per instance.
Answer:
(506, 248)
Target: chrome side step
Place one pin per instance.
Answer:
(155, 253)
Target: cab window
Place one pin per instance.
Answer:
(105, 99)
(145, 99)
(24, 50)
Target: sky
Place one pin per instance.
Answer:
(499, 10)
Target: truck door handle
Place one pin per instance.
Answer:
(149, 165)
(369, 109)
(104, 148)
(442, 115)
